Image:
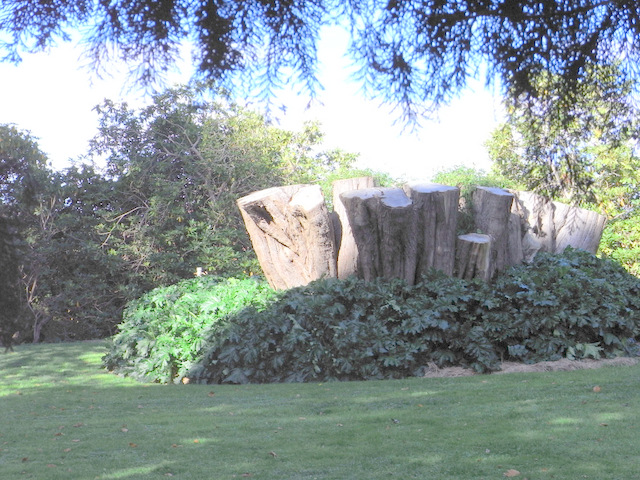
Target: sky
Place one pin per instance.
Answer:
(52, 95)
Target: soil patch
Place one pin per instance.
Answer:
(433, 371)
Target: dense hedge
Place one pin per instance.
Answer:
(572, 305)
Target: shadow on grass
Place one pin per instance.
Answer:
(63, 417)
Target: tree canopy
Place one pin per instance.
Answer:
(416, 54)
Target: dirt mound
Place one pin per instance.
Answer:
(433, 371)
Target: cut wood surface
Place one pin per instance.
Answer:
(292, 234)
(405, 232)
(553, 226)
(382, 223)
(347, 249)
(436, 209)
(577, 228)
(473, 256)
(492, 213)
(398, 237)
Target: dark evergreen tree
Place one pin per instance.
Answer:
(412, 52)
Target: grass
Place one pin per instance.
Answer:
(63, 417)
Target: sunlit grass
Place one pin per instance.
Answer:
(63, 417)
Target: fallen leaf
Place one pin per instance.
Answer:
(25, 459)
(66, 450)
(124, 429)
(511, 473)
(79, 424)
(597, 388)
(604, 424)
(132, 445)
(246, 475)
(196, 441)
(51, 465)
(211, 394)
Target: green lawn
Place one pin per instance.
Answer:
(63, 417)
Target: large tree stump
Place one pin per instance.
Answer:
(492, 214)
(436, 209)
(553, 226)
(537, 214)
(383, 225)
(292, 234)
(577, 228)
(347, 248)
(473, 257)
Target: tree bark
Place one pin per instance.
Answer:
(473, 257)
(577, 228)
(292, 234)
(347, 248)
(436, 209)
(492, 212)
(553, 226)
(383, 225)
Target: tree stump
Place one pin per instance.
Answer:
(492, 214)
(553, 226)
(383, 225)
(577, 228)
(347, 248)
(473, 257)
(436, 209)
(292, 234)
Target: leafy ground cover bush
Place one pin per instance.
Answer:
(572, 305)
(162, 333)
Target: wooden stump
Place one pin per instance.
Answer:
(292, 234)
(492, 213)
(537, 214)
(436, 209)
(347, 248)
(553, 226)
(473, 257)
(382, 221)
(578, 228)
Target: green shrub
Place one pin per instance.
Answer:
(348, 330)
(162, 333)
(571, 305)
(621, 241)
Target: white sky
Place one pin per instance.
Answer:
(52, 96)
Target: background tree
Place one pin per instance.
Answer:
(23, 174)
(580, 149)
(179, 165)
(162, 205)
(413, 53)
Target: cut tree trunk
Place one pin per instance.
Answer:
(436, 209)
(292, 234)
(553, 226)
(473, 257)
(383, 225)
(492, 214)
(577, 228)
(347, 248)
